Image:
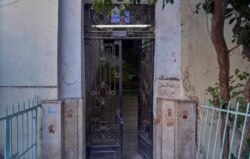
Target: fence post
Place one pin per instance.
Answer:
(36, 135)
(7, 138)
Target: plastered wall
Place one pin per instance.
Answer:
(199, 67)
(28, 51)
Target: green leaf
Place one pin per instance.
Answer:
(198, 6)
(248, 142)
(237, 28)
(163, 4)
(233, 40)
(232, 20)
(232, 156)
(228, 11)
(236, 71)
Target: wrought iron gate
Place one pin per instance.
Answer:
(145, 107)
(104, 33)
(104, 99)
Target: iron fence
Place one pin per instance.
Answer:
(212, 133)
(20, 132)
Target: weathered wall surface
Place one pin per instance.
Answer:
(199, 63)
(28, 48)
(199, 67)
(167, 62)
(28, 51)
(167, 75)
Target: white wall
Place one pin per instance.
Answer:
(28, 43)
(28, 51)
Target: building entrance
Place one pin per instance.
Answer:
(119, 91)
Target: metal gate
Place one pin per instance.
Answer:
(104, 99)
(145, 107)
(104, 34)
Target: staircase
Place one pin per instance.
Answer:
(130, 127)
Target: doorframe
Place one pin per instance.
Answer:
(140, 35)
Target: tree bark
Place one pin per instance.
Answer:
(218, 39)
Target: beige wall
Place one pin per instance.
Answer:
(199, 64)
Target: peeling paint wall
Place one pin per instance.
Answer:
(167, 75)
(199, 66)
(167, 62)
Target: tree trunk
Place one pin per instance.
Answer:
(218, 39)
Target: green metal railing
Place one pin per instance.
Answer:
(211, 139)
(20, 130)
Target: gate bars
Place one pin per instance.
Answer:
(20, 131)
(211, 143)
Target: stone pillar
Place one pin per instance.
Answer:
(167, 77)
(73, 129)
(71, 77)
(52, 134)
(176, 127)
(70, 52)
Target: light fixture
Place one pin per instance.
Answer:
(121, 26)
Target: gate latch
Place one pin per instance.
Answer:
(118, 113)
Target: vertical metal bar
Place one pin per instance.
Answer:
(11, 132)
(232, 137)
(199, 140)
(22, 133)
(26, 144)
(32, 130)
(17, 117)
(7, 136)
(217, 131)
(243, 130)
(225, 129)
(36, 136)
(120, 89)
(27, 134)
(211, 128)
(205, 130)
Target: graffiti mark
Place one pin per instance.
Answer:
(170, 113)
(52, 129)
(170, 119)
(168, 89)
(69, 113)
(69, 74)
(184, 114)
